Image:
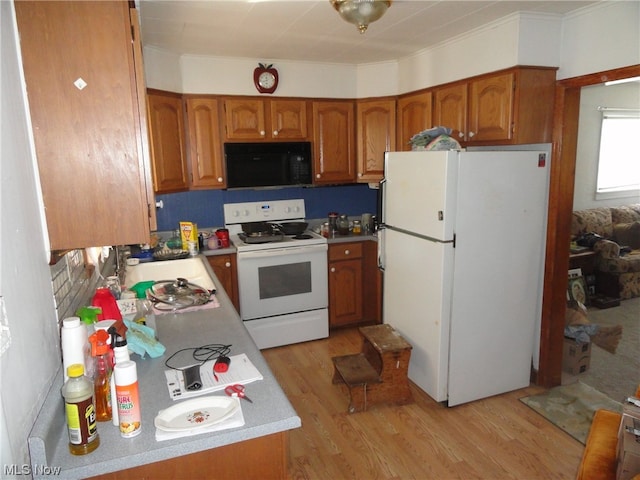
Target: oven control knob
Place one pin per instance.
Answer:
(287, 209)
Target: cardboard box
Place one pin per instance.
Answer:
(628, 466)
(576, 356)
(628, 451)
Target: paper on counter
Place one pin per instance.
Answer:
(241, 370)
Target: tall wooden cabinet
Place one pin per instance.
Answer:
(206, 162)
(376, 134)
(334, 152)
(414, 114)
(513, 106)
(253, 119)
(166, 129)
(88, 121)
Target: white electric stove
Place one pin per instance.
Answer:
(282, 279)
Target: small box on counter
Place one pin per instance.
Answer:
(188, 233)
(576, 356)
(628, 452)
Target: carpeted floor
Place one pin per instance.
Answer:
(571, 407)
(616, 375)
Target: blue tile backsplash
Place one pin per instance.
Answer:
(205, 207)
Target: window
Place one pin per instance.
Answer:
(619, 159)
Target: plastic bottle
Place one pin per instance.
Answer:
(104, 299)
(75, 347)
(80, 411)
(101, 353)
(120, 354)
(128, 398)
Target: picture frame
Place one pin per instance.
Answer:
(577, 290)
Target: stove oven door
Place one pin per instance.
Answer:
(282, 280)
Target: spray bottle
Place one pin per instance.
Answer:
(145, 314)
(89, 316)
(102, 377)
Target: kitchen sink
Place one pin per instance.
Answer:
(194, 269)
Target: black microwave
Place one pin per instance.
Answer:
(267, 164)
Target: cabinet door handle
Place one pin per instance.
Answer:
(471, 134)
(347, 252)
(220, 179)
(275, 133)
(333, 269)
(460, 134)
(227, 264)
(317, 175)
(262, 132)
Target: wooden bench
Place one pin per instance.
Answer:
(378, 374)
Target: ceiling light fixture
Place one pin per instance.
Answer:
(361, 12)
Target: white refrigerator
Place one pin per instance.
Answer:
(461, 246)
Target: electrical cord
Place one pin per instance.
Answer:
(202, 354)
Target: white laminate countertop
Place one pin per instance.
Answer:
(271, 412)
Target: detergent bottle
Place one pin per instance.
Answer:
(80, 411)
(102, 374)
(104, 299)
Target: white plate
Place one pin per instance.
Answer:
(196, 413)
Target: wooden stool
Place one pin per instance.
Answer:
(377, 374)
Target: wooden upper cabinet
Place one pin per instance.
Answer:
(288, 119)
(450, 109)
(244, 119)
(166, 127)
(256, 119)
(414, 115)
(491, 108)
(80, 71)
(205, 150)
(334, 158)
(504, 108)
(376, 134)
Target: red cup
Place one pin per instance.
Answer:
(223, 236)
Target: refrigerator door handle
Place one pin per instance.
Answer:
(381, 249)
(423, 237)
(381, 214)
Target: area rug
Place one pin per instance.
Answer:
(571, 407)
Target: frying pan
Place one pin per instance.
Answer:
(254, 228)
(291, 228)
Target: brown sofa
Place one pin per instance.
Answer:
(618, 267)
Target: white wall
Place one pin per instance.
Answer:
(616, 96)
(600, 38)
(33, 357)
(519, 39)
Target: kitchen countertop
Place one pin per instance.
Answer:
(271, 412)
(330, 240)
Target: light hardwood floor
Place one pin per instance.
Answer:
(495, 438)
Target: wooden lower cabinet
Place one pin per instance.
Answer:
(354, 284)
(225, 268)
(259, 458)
